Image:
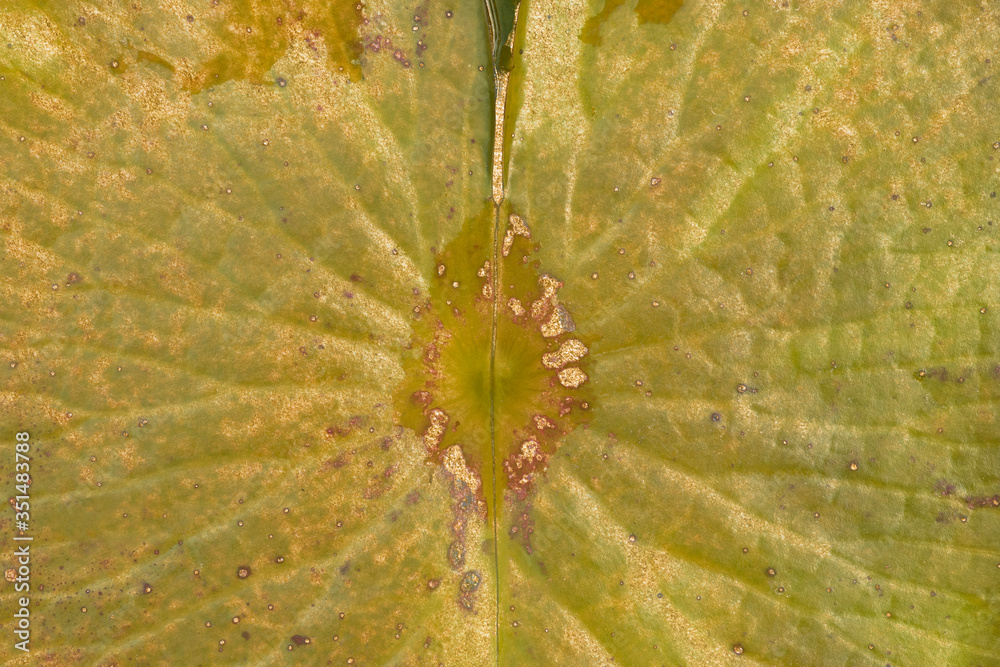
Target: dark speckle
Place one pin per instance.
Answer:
(980, 502)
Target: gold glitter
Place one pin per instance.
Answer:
(569, 352)
(498, 110)
(572, 377)
(542, 422)
(548, 299)
(516, 228)
(434, 432)
(486, 273)
(454, 462)
(559, 322)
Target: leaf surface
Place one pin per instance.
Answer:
(683, 353)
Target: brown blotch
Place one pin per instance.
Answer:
(983, 502)
(647, 11)
(943, 488)
(249, 53)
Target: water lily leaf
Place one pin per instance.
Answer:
(624, 332)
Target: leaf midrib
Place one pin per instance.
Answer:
(499, 97)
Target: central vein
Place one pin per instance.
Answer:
(498, 114)
(500, 82)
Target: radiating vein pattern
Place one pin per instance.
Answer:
(216, 224)
(681, 349)
(778, 222)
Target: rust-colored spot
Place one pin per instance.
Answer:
(983, 502)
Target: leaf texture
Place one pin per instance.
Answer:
(713, 383)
